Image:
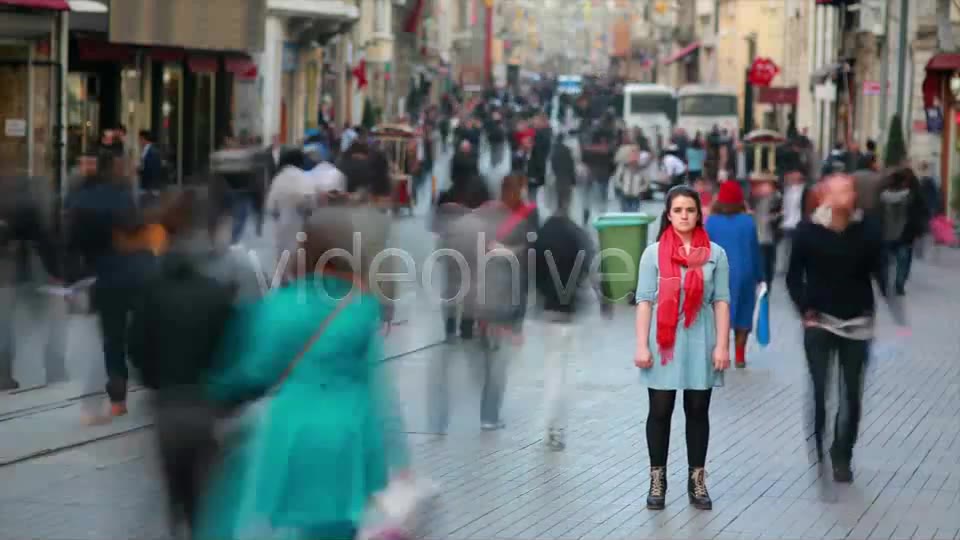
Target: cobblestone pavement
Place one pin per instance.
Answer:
(507, 485)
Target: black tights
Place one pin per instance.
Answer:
(696, 407)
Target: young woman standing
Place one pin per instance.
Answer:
(683, 328)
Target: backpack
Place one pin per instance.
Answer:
(490, 291)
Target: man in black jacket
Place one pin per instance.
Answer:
(836, 258)
(564, 166)
(537, 164)
(176, 330)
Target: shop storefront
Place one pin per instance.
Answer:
(941, 102)
(182, 97)
(173, 75)
(30, 89)
(304, 66)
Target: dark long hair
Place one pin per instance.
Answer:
(679, 191)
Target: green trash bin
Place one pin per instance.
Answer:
(626, 232)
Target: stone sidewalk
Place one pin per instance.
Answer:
(507, 485)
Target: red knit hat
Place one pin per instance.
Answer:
(730, 193)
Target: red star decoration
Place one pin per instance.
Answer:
(360, 74)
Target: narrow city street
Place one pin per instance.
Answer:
(136, 130)
(508, 485)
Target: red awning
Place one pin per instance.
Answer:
(93, 50)
(241, 66)
(677, 55)
(166, 55)
(59, 5)
(202, 64)
(938, 70)
(944, 62)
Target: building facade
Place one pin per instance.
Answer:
(301, 76)
(33, 57)
(166, 67)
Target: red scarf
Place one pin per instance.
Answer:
(516, 217)
(671, 258)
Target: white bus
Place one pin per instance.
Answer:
(701, 107)
(650, 107)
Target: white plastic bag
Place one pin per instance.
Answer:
(393, 512)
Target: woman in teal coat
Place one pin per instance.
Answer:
(327, 439)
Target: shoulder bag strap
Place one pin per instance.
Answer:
(515, 218)
(313, 339)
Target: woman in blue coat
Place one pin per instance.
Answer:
(733, 229)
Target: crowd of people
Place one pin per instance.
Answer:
(274, 412)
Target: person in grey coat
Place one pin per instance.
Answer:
(29, 257)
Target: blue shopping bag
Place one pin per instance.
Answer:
(761, 316)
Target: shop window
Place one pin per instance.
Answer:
(26, 112)
(170, 124)
(14, 113)
(203, 121)
(83, 115)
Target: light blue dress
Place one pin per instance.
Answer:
(692, 364)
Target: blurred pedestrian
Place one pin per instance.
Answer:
(905, 220)
(368, 172)
(289, 199)
(835, 259)
(599, 153)
(695, 157)
(176, 329)
(101, 210)
(794, 186)
(514, 233)
(150, 168)
(675, 168)
(26, 238)
(733, 229)
(564, 255)
(495, 159)
(538, 156)
(326, 435)
(631, 180)
(766, 203)
(566, 171)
